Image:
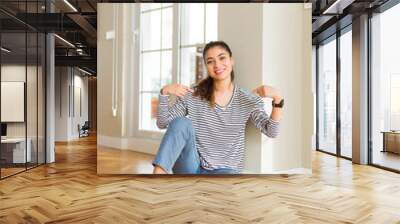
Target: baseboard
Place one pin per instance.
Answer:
(148, 146)
(66, 138)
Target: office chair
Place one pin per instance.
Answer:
(84, 130)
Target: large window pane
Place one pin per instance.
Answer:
(346, 94)
(151, 71)
(327, 97)
(167, 24)
(166, 68)
(192, 23)
(386, 89)
(188, 65)
(395, 102)
(151, 30)
(148, 111)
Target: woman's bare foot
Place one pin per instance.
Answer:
(159, 170)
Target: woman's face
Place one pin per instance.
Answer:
(219, 64)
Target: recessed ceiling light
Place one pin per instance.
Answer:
(337, 7)
(84, 71)
(70, 5)
(5, 50)
(64, 40)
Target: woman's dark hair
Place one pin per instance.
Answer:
(205, 88)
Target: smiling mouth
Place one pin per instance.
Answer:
(219, 72)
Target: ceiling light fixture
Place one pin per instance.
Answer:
(333, 6)
(5, 50)
(337, 7)
(64, 40)
(70, 5)
(84, 71)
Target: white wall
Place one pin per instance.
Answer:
(247, 50)
(275, 49)
(287, 65)
(61, 104)
(68, 81)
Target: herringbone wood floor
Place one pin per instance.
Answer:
(70, 191)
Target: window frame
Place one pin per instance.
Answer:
(176, 62)
(334, 37)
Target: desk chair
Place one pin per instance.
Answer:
(84, 130)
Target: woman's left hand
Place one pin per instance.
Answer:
(265, 91)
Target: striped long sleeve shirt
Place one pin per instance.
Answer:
(219, 131)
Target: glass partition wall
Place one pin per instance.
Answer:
(334, 94)
(327, 96)
(22, 77)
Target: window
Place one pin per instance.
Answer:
(346, 94)
(156, 58)
(335, 61)
(327, 97)
(166, 55)
(385, 88)
(394, 102)
(198, 27)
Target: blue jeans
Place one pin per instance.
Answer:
(178, 154)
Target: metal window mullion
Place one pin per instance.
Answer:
(204, 23)
(73, 92)
(317, 96)
(26, 89)
(148, 91)
(37, 93)
(45, 92)
(176, 77)
(60, 88)
(155, 50)
(338, 96)
(161, 46)
(191, 45)
(69, 91)
(369, 90)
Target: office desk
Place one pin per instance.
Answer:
(391, 141)
(13, 150)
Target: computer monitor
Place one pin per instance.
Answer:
(3, 129)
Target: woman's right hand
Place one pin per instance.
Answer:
(175, 89)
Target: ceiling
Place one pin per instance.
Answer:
(77, 25)
(76, 22)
